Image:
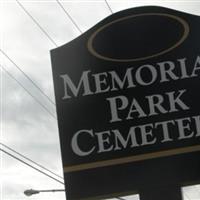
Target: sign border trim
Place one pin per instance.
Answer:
(129, 159)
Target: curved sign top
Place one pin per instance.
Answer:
(127, 97)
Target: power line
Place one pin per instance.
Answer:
(108, 6)
(17, 66)
(36, 22)
(31, 166)
(28, 92)
(119, 198)
(11, 149)
(69, 16)
(38, 169)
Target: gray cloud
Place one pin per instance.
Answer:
(27, 127)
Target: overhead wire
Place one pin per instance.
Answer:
(49, 37)
(52, 40)
(17, 66)
(11, 149)
(36, 22)
(69, 16)
(40, 171)
(28, 92)
(30, 160)
(108, 6)
(20, 160)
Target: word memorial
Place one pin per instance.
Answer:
(128, 105)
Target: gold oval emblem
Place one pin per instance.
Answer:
(181, 40)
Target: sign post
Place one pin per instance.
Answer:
(127, 98)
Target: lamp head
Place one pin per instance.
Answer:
(31, 192)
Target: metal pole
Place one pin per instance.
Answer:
(32, 192)
(60, 190)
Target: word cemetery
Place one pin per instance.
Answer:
(157, 104)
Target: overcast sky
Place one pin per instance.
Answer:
(26, 126)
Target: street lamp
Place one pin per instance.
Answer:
(32, 192)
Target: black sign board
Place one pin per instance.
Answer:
(128, 104)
